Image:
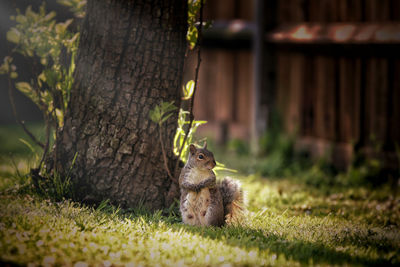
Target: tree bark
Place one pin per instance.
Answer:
(130, 59)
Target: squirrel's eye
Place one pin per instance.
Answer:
(201, 156)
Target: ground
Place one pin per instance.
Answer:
(290, 222)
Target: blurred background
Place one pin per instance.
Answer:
(326, 72)
(289, 80)
(27, 110)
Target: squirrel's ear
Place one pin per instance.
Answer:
(205, 145)
(192, 149)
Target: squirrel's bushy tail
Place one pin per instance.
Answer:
(233, 200)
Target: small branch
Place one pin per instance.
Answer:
(191, 103)
(29, 133)
(165, 155)
(46, 148)
(199, 39)
(46, 116)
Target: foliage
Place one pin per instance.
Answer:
(77, 7)
(282, 161)
(187, 126)
(277, 151)
(50, 48)
(192, 35)
(238, 146)
(188, 90)
(8, 68)
(159, 115)
(179, 138)
(184, 135)
(54, 186)
(289, 224)
(47, 43)
(279, 159)
(162, 112)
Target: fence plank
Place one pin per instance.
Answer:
(356, 119)
(382, 98)
(297, 11)
(394, 124)
(308, 97)
(283, 15)
(395, 10)
(245, 10)
(283, 88)
(296, 85)
(245, 85)
(223, 86)
(354, 10)
(330, 99)
(321, 89)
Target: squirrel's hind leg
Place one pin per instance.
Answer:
(214, 216)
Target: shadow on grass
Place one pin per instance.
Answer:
(297, 250)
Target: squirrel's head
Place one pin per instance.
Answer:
(201, 157)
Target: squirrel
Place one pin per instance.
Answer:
(204, 201)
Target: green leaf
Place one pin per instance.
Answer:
(188, 90)
(47, 98)
(43, 61)
(207, 24)
(181, 132)
(192, 36)
(155, 115)
(21, 19)
(27, 144)
(62, 27)
(51, 77)
(13, 75)
(167, 107)
(166, 117)
(41, 78)
(13, 36)
(6, 67)
(160, 112)
(24, 87)
(50, 16)
(199, 122)
(60, 117)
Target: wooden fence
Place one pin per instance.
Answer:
(338, 79)
(330, 67)
(226, 74)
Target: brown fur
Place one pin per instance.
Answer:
(203, 201)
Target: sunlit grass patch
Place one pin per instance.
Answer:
(290, 223)
(278, 232)
(40, 232)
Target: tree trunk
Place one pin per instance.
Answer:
(130, 59)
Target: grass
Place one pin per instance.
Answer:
(290, 223)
